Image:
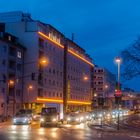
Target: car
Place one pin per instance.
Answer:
(21, 119)
(37, 116)
(74, 118)
(28, 112)
(49, 117)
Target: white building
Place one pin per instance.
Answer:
(104, 86)
(47, 84)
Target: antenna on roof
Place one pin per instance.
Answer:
(72, 36)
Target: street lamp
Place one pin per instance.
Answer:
(11, 84)
(43, 61)
(85, 78)
(118, 61)
(30, 87)
(106, 93)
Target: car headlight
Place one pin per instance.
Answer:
(42, 119)
(77, 119)
(14, 120)
(26, 119)
(54, 120)
(34, 116)
(68, 119)
(81, 118)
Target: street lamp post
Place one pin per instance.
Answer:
(30, 87)
(106, 94)
(10, 83)
(42, 62)
(118, 61)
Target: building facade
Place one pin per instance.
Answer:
(104, 87)
(67, 74)
(11, 71)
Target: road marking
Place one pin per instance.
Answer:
(135, 137)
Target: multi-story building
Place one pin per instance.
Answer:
(67, 74)
(11, 71)
(104, 86)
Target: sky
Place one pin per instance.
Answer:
(102, 27)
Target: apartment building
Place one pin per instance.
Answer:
(104, 87)
(67, 74)
(11, 72)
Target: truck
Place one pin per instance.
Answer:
(49, 116)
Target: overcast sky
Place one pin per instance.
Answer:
(102, 27)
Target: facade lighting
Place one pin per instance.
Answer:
(61, 46)
(61, 101)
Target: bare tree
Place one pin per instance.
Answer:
(131, 60)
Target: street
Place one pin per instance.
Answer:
(71, 132)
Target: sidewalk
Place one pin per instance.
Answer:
(5, 122)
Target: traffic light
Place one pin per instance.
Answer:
(118, 97)
(33, 76)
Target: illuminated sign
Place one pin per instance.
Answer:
(61, 46)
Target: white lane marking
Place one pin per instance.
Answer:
(135, 137)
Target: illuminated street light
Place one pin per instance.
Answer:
(85, 78)
(106, 86)
(30, 87)
(43, 61)
(11, 83)
(118, 61)
(95, 95)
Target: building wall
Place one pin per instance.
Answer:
(104, 86)
(11, 68)
(48, 82)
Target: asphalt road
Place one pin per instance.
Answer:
(65, 132)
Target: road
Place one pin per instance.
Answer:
(66, 132)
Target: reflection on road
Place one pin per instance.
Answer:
(63, 132)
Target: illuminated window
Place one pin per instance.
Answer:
(9, 38)
(19, 54)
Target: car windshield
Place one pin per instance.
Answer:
(24, 111)
(48, 110)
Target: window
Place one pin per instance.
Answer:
(19, 67)
(4, 49)
(18, 54)
(9, 38)
(53, 71)
(3, 62)
(3, 90)
(41, 42)
(53, 94)
(60, 94)
(50, 71)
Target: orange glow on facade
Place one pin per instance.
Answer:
(48, 38)
(11, 83)
(61, 101)
(70, 51)
(75, 54)
(30, 87)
